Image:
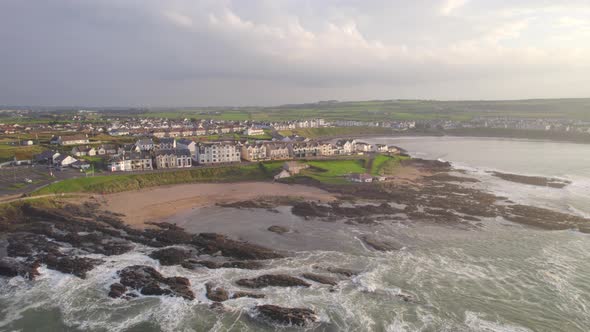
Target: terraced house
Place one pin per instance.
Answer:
(131, 162)
(254, 152)
(276, 151)
(304, 150)
(173, 158)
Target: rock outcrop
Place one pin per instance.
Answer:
(148, 281)
(287, 316)
(277, 280)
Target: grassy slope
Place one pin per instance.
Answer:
(125, 182)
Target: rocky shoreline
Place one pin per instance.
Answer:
(62, 236)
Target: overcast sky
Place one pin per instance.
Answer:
(267, 52)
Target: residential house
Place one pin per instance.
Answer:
(166, 143)
(73, 140)
(145, 144)
(304, 150)
(276, 151)
(361, 178)
(46, 157)
(363, 147)
(187, 144)
(81, 151)
(254, 152)
(80, 164)
(216, 153)
(179, 158)
(106, 149)
(381, 148)
(346, 146)
(64, 160)
(254, 131)
(131, 162)
(326, 149)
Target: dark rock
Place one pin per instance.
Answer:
(117, 290)
(154, 289)
(279, 280)
(320, 279)
(287, 316)
(239, 294)
(168, 233)
(10, 267)
(247, 265)
(77, 266)
(211, 243)
(171, 256)
(149, 281)
(216, 294)
(278, 229)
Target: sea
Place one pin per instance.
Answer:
(498, 276)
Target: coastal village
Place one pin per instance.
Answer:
(148, 154)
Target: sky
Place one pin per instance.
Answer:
(152, 53)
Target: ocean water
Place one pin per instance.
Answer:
(498, 277)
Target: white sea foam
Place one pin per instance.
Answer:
(476, 323)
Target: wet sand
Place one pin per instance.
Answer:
(154, 204)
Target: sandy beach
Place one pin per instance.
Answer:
(157, 203)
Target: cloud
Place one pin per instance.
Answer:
(449, 6)
(204, 52)
(178, 19)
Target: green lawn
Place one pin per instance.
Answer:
(334, 171)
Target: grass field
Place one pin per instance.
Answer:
(8, 152)
(380, 110)
(336, 131)
(125, 182)
(386, 165)
(334, 171)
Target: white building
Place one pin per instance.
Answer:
(254, 131)
(216, 153)
(73, 140)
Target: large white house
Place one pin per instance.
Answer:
(254, 131)
(254, 152)
(131, 162)
(73, 140)
(180, 158)
(217, 153)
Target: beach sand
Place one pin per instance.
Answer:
(155, 204)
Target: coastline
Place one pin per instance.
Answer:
(157, 203)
